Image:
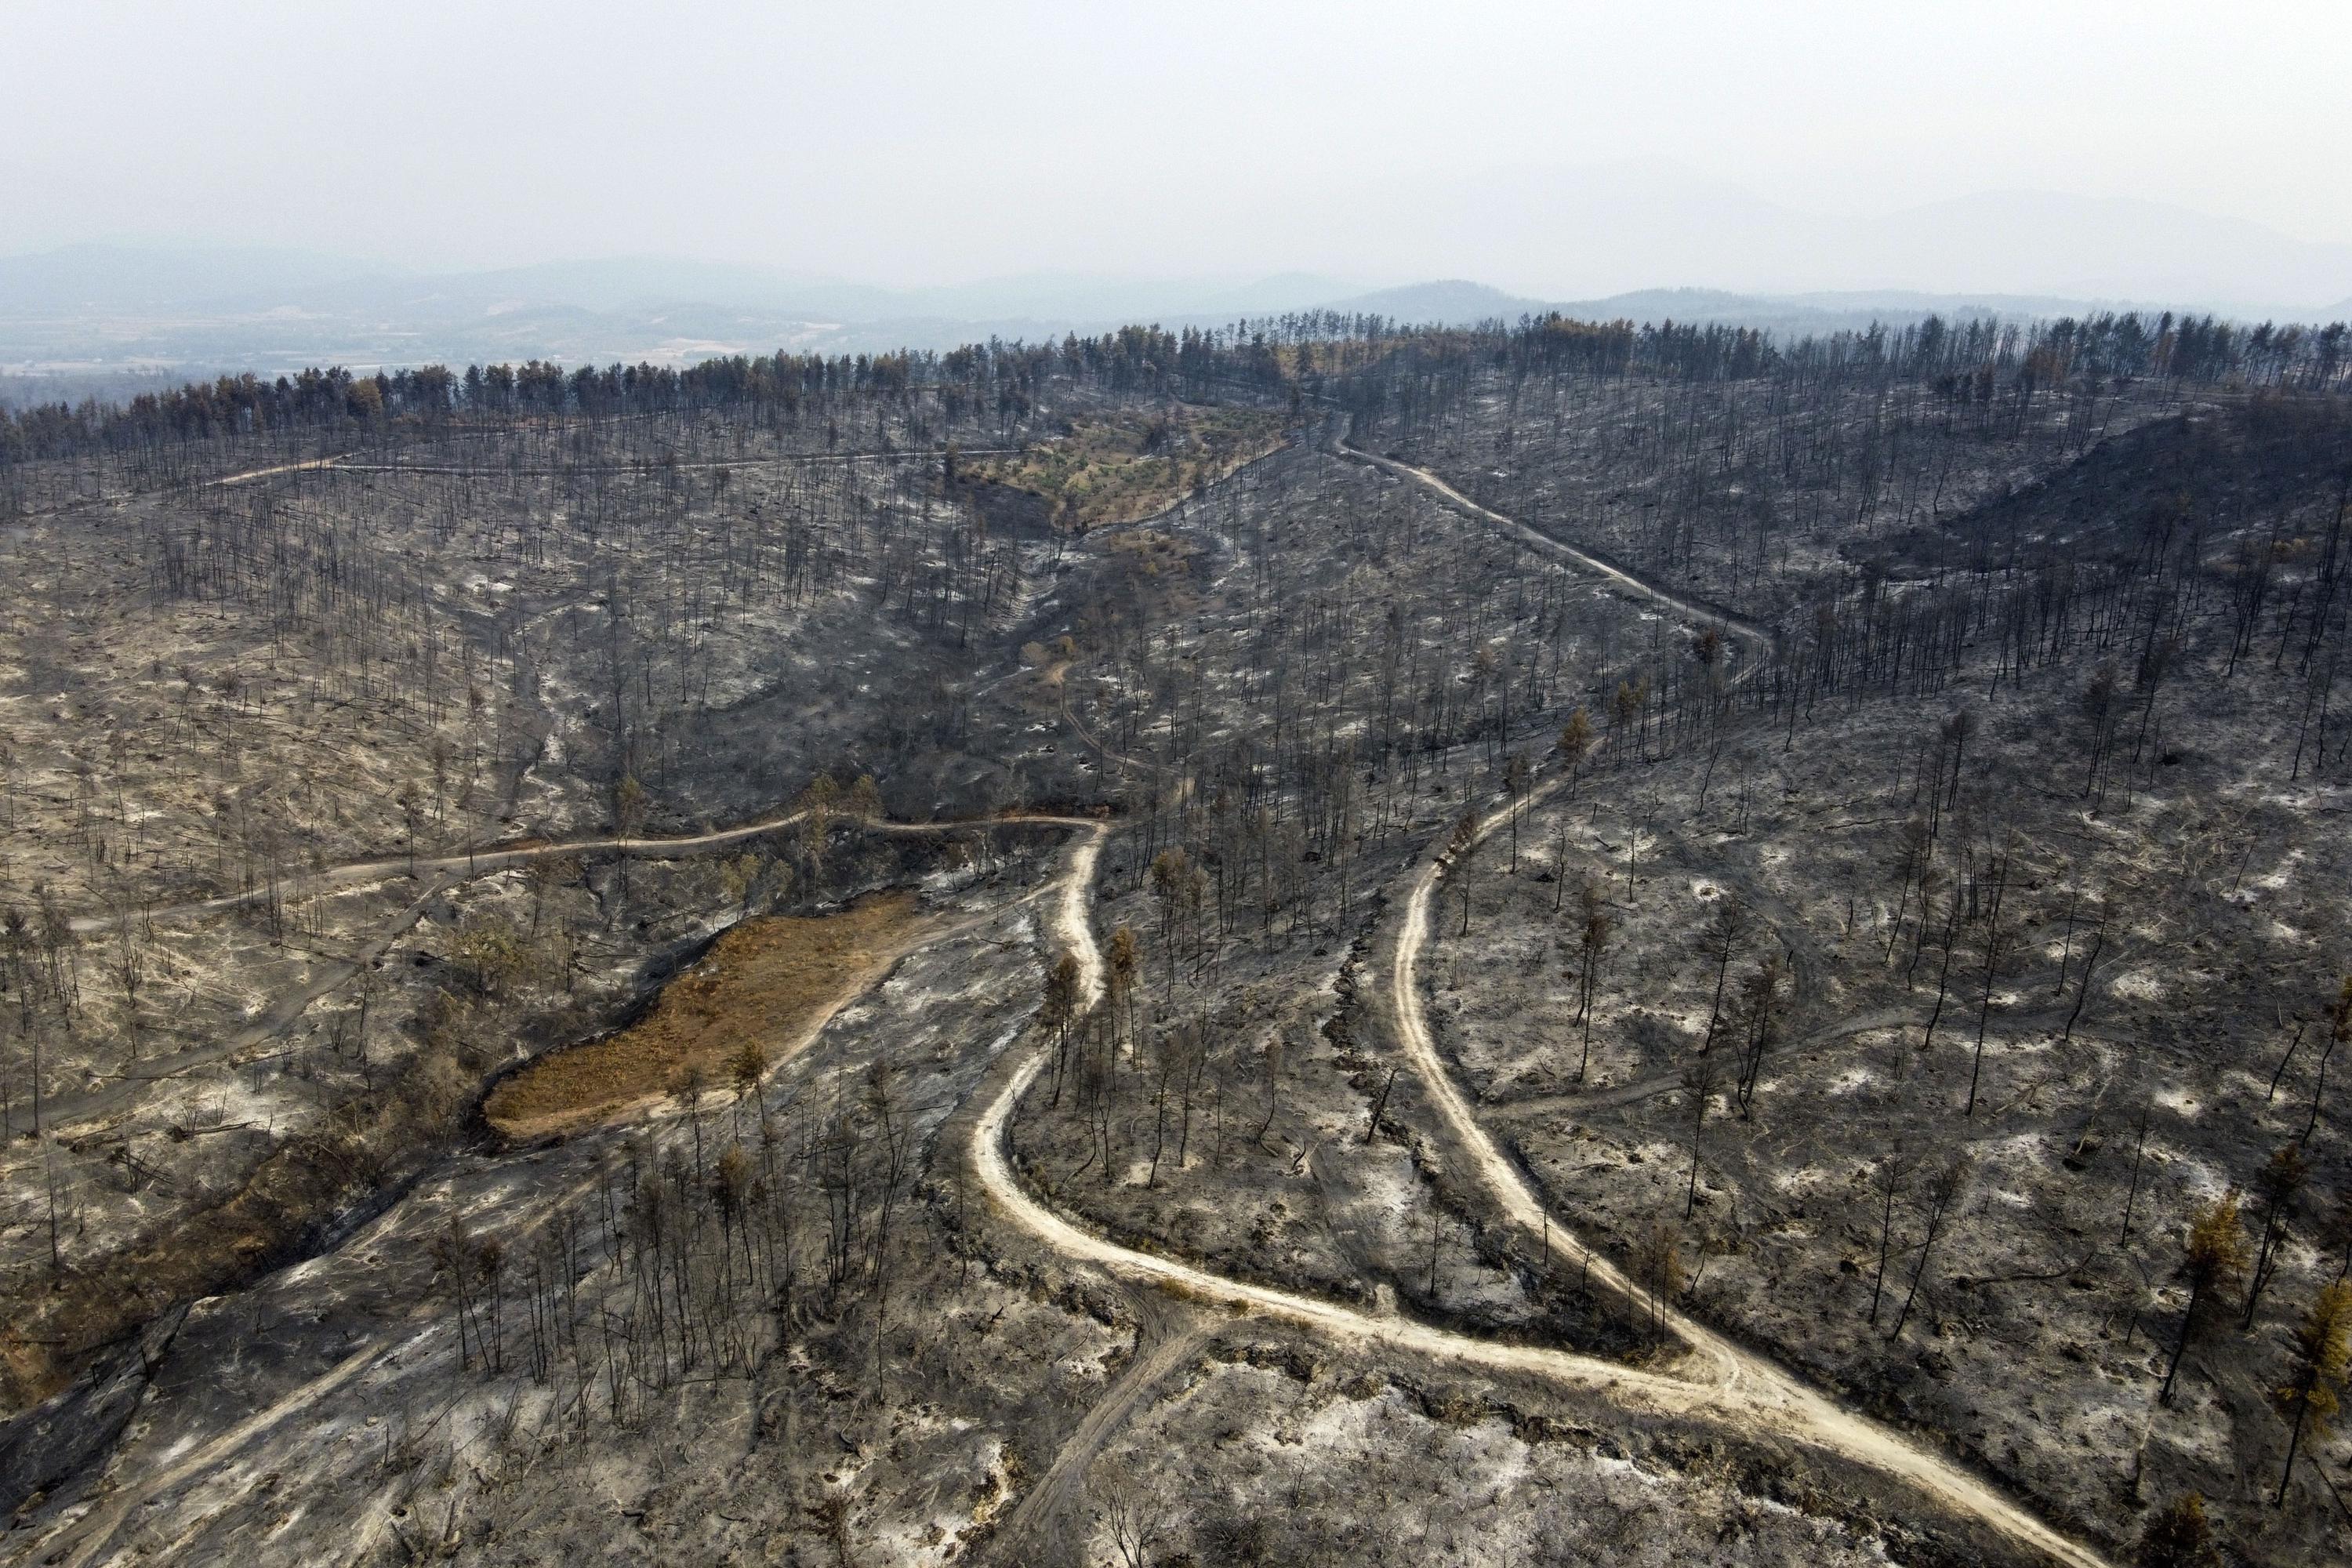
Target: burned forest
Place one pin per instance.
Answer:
(1314, 942)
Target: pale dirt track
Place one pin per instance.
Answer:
(346, 462)
(1740, 1388)
(479, 862)
(1744, 1385)
(437, 874)
(1048, 1524)
(91, 1534)
(482, 862)
(252, 474)
(99, 1530)
(1756, 636)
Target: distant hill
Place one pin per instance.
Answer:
(93, 314)
(112, 279)
(1450, 301)
(97, 309)
(1590, 231)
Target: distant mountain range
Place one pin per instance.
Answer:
(1595, 230)
(94, 314)
(99, 310)
(100, 280)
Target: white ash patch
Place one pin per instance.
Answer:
(1850, 1081)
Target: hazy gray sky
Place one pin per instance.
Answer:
(909, 142)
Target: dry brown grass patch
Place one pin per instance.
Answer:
(769, 982)
(1121, 467)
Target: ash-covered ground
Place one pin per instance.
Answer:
(1867, 848)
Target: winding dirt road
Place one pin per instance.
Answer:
(91, 1534)
(481, 862)
(1742, 1387)
(991, 1143)
(1758, 636)
(1738, 1387)
(437, 874)
(346, 462)
(1731, 1385)
(469, 865)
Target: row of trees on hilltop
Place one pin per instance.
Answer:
(1967, 358)
(1133, 359)
(2202, 350)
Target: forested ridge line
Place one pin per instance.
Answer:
(1973, 360)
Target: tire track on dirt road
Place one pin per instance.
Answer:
(1047, 1511)
(464, 864)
